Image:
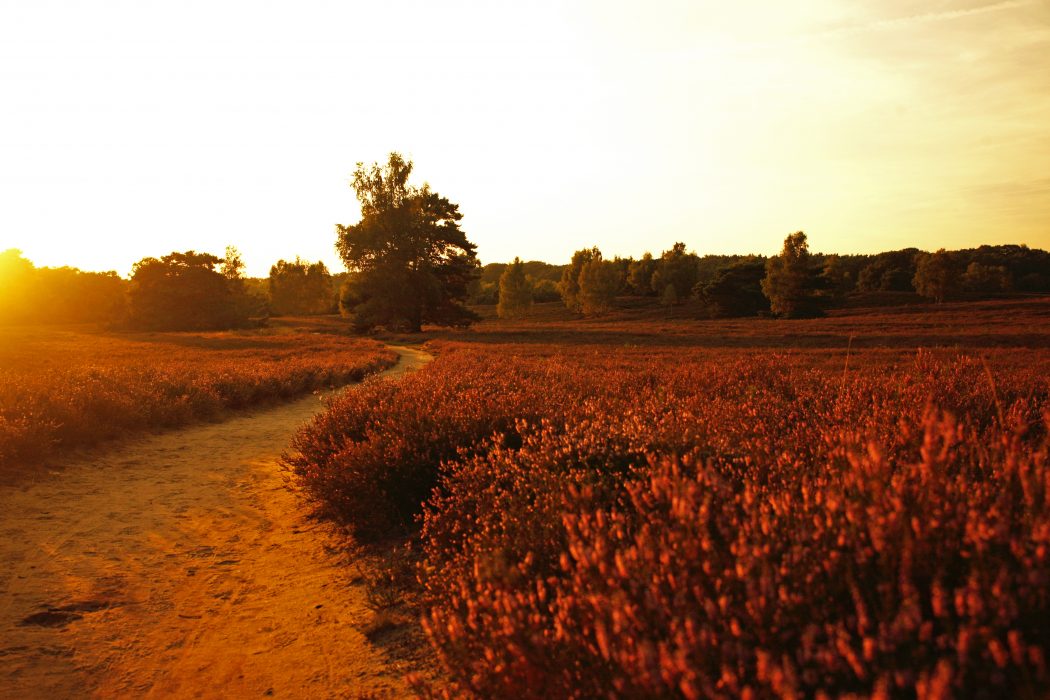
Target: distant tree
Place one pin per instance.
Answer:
(600, 281)
(16, 278)
(623, 265)
(982, 279)
(790, 283)
(640, 275)
(678, 268)
(232, 265)
(544, 278)
(248, 303)
(736, 290)
(35, 295)
(515, 291)
(300, 288)
(183, 291)
(936, 275)
(891, 271)
(69, 295)
(484, 293)
(544, 290)
(836, 277)
(409, 261)
(670, 296)
(569, 286)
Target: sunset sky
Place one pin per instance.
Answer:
(137, 128)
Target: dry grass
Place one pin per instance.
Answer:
(71, 387)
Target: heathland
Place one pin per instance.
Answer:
(638, 505)
(634, 504)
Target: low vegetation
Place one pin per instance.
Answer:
(684, 514)
(63, 388)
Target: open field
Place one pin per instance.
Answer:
(1018, 322)
(636, 506)
(69, 387)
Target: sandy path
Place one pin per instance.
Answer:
(182, 565)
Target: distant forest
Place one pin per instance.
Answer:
(200, 291)
(743, 285)
(180, 291)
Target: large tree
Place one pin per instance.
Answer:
(409, 261)
(600, 282)
(569, 286)
(675, 268)
(183, 292)
(791, 282)
(936, 275)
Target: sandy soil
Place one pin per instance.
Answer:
(183, 565)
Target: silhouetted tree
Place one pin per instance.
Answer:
(34, 295)
(409, 261)
(183, 291)
(891, 271)
(299, 287)
(69, 295)
(515, 291)
(736, 290)
(936, 275)
(790, 282)
(249, 304)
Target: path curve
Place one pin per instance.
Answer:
(182, 565)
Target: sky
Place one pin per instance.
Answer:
(136, 128)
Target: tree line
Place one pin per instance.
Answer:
(409, 263)
(796, 283)
(179, 291)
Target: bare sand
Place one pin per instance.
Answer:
(184, 565)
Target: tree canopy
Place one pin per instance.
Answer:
(32, 295)
(936, 275)
(183, 291)
(600, 281)
(300, 288)
(409, 261)
(791, 282)
(569, 286)
(515, 291)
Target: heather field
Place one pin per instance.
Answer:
(70, 387)
(643, 506)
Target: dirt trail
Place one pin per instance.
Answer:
(182, 565)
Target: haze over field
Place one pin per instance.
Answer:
(132, 129)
